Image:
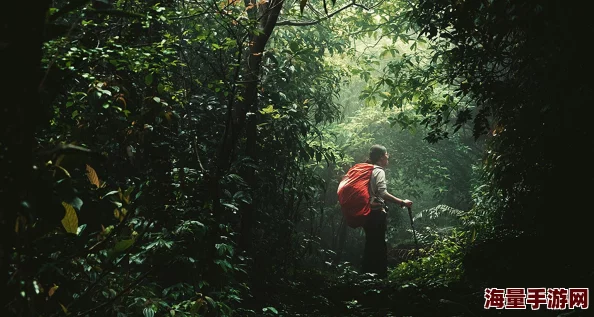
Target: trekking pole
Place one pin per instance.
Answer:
(414, 231)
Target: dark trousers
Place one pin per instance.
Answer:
(375, 256)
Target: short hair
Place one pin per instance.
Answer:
(376, 152)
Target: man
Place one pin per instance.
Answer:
(375, 257)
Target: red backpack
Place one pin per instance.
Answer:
(353, 194)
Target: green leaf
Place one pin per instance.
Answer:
(148, 79)
(148, 312)
(210, 301)
(243, 197)
(76, 203)
(81, 228)
(69, 7)
(113, 192)
(231, 206)
(223, 248)
(128, 192)
(223, 264)
(270, 308)
(123, 245)
(267, 110)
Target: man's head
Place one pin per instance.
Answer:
(378, 155)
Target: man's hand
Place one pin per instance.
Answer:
(398, 201)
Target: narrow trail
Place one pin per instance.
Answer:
(317, 293)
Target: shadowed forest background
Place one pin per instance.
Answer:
(181, 157)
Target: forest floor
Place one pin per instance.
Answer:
(318, 293)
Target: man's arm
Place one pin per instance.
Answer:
(383, 191)
(401, 202)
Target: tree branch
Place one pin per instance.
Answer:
(308, 23)
(189, 16)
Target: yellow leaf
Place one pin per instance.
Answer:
(124, 212)
(64, 170)
(59, 159)
(52, 290)
(198, 304)
(127, 193)
(70, 220)
(120, 214)
(122, 100)
(92, 175)
(21, 223)
(64, 309)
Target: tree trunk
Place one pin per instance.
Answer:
(238, 122)
(21, 39)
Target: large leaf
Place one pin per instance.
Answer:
(70, 220)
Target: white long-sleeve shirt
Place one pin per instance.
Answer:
(377, 184)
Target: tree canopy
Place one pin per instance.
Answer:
(182, 157)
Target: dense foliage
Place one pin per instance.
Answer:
(181, 158)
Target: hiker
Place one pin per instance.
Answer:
(375, 257)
